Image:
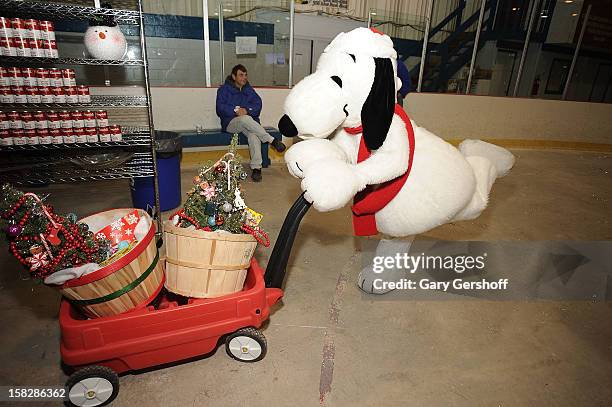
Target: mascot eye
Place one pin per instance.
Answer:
(353, 56)
(337, 80)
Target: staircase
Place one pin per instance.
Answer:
(503, 20)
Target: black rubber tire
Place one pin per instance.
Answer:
(253, 334)
(90, 372)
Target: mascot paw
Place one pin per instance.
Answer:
(305, 154)
(374, 283)
(330, 184)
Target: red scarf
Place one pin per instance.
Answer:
(375, 197)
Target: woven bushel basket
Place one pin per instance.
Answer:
(206, 264)
(131, 282)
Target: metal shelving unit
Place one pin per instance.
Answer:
(96, 102)
(66, 11)
(40, 164)
(6, 60)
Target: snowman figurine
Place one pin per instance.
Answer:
(104, 39)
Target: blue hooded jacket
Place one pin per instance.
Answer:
(229, 96)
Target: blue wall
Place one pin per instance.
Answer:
(185, 27)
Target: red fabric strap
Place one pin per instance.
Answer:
(375, 197)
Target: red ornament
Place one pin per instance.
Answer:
(53, 238)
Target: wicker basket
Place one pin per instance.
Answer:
(206, 264)
(129, 283)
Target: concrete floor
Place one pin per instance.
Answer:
(330, 345)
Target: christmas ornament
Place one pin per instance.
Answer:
(104, 39)
(53, 238)
(212, 221)
(72, 218)
(210, 208)
(227, 207)
(238, 201)
(37, 246)
(243, 176)
(14, 230)
(197, 180)
(37, 261)
(219, 220)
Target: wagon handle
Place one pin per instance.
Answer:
(277, 266)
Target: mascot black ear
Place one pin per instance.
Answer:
(377, 111)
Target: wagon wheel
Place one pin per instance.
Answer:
(246, 345)
(92, 386)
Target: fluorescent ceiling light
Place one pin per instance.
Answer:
(568, 1)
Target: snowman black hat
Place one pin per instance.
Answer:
(107, 21)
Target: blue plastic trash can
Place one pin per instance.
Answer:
(169, 149)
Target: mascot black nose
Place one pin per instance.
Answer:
(286, 127)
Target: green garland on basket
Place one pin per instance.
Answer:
(42, 241)
(215, 203)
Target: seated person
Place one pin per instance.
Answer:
(238, 106)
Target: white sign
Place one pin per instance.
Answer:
(246, 45)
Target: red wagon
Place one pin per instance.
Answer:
(173, 328)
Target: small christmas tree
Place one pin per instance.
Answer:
(42, 241)
(215, 202)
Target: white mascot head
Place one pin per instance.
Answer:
(362, 66)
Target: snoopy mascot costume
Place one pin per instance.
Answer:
(360, 145)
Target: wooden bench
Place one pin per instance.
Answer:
(216, 137)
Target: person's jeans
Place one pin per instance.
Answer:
(255, 133)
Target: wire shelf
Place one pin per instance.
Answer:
(96, 102)
(4, 60)
(140, 165)
(66, 11)
(132, 137)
